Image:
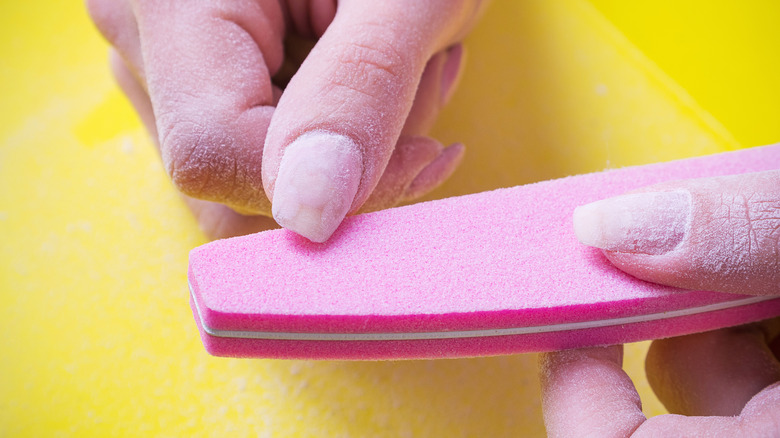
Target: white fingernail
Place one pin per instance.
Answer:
(640, 223)
(318, 178)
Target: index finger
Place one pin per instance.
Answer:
(208, 67)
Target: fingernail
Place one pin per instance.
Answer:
(317, 182)
(450, 72)
(640, 223)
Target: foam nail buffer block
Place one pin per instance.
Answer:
(491, 273)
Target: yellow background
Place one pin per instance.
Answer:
(97, 336)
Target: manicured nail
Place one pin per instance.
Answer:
(317, 182)
(450, 72)
(640, 223)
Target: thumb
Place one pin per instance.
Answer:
(720, 234)
(341, 115)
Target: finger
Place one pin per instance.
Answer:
(435, 173)
(342, 113)
(586, 393)
(217, 221)
(760, 418)
(298, 14)
(116, 22)
(712, 373)
(420, 164)
(437, 84)
(137, 95)
(208, 68)
(720, 234)
(310, 18)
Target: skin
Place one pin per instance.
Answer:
(225, 87)
(708, 390)
(721, 383)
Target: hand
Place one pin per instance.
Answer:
(210, 82)
(716, 384)
(720, 234)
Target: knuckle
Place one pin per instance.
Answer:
(376, 63)
(195, 158)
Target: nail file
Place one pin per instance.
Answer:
(492, 273)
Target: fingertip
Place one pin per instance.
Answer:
(651, 223)
(359, 81)
(410, 156)
(316, 184)
(435, 173)
(585, 392)
(716, 234)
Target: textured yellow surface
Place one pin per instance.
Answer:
(98, 338)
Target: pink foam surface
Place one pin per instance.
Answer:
(505, 258)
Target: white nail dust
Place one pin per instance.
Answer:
(318, 178)
(641, 223)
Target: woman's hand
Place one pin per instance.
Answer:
(722, 383)
(720, 234)
(244, 114)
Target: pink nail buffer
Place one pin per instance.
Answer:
(492, 273)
